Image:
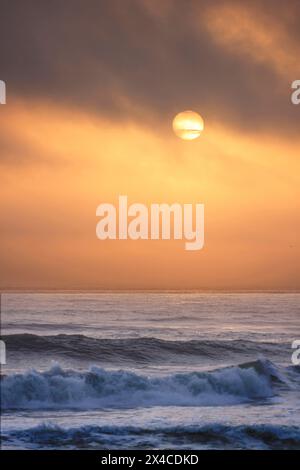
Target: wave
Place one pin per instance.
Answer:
(138, 350)
(214, 435)
(100, 388)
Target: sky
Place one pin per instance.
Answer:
(92, 89)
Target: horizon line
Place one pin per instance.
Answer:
(145, 290)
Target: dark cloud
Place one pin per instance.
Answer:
(115, 57)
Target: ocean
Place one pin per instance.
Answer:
(150, 371)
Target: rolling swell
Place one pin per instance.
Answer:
(132, 437)
(100, 388)
(138, 350)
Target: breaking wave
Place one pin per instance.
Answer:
(100, 388)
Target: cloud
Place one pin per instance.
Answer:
(248, 31)
(92, 89)
(148, 60)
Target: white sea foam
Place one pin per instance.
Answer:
(97, 388)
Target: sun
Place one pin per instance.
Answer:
(188, 125)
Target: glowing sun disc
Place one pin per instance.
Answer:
(188, 125)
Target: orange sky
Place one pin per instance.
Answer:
(60, 160)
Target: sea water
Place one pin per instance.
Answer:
(150, 371)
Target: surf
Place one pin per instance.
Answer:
(100, 388)
(230, 436)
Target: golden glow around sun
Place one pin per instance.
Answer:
(188, 125)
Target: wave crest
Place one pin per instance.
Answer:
(100, 388)
(137, 350)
